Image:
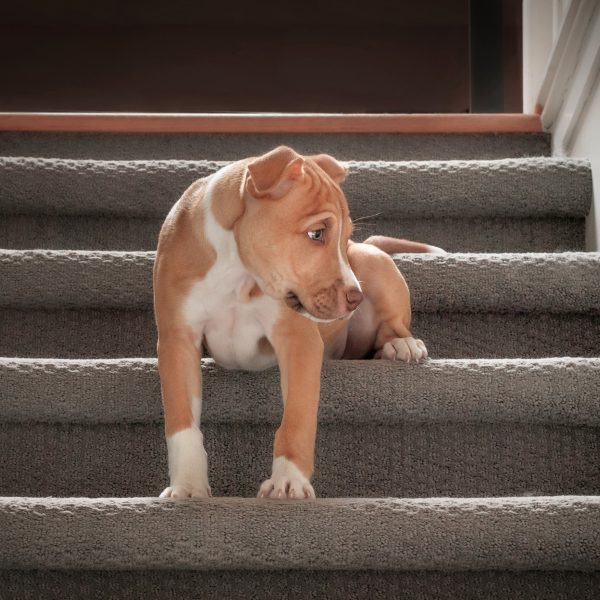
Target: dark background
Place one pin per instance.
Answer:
(179, 56)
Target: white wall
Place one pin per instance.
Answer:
(564, 36)
(538, 39)
(586, 144)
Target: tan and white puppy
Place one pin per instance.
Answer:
(256, 267)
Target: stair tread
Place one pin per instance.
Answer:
(546, 533)
(542, 391)
(563, 282)
(231, 146)
(522, 187)
(459, 427)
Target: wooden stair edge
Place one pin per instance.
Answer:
(269, 123)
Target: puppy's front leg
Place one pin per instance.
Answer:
(181, 383)
(299, 350)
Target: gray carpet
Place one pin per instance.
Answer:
(301, 585)
(113, 333)
(565, 282)
(474, 475)
(552, 390)
(435, 201)
(525, 187)
(384, 533)
(94, 304)
(101, 232)
(445, 428)
(346, 146)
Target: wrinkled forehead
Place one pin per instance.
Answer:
(321, 193)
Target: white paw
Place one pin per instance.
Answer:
(436, 250)
(188, 465)
(182, 491)
(287, 481)
(406, 349)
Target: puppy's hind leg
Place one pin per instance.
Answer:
(386, 289)
(392, 245)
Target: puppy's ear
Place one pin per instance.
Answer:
(332, 167)
(273, 174)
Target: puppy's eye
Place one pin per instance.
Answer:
(316, 234)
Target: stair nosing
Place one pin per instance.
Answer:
(233, 533)
(90, 392)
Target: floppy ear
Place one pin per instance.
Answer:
(274, 173)
(332, 167)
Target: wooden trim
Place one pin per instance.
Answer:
(269, 123)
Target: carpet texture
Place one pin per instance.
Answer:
(473, 475)
(431, 189)
(305, 584)
(553, 391)
(345, 146)
(385, 533)
(95, 304)
(448, 427)
(556, 283)
(103, 232)
(73, 203)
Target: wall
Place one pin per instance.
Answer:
(184, 56)
(561, 78)
(586, 143)
(203, 69)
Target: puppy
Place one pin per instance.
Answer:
(255, 266)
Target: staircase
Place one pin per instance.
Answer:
(474, 475)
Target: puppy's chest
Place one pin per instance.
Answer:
(235, 325)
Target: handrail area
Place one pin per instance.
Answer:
(269, 123)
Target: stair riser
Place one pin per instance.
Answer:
(24, 232)
(346, 146)
(115, 334)
(401, 460)
(466, 283)
(310, 585)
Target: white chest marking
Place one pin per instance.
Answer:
(218, 308)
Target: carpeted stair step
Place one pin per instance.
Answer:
(78, 304)
(231, 146)
(528, 204)
(243, 584)
(541, 540)
(393, 534)
(442, 428)
(472, 475)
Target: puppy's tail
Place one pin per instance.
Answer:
(392, 245)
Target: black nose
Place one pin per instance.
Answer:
(353, 298)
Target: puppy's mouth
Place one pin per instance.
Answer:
(294, 303)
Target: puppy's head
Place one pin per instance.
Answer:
(295, 233)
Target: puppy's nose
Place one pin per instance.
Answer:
(353, 298)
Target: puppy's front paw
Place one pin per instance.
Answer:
(286, 482)
(186, 491)
(406, 349)
(188, 465)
